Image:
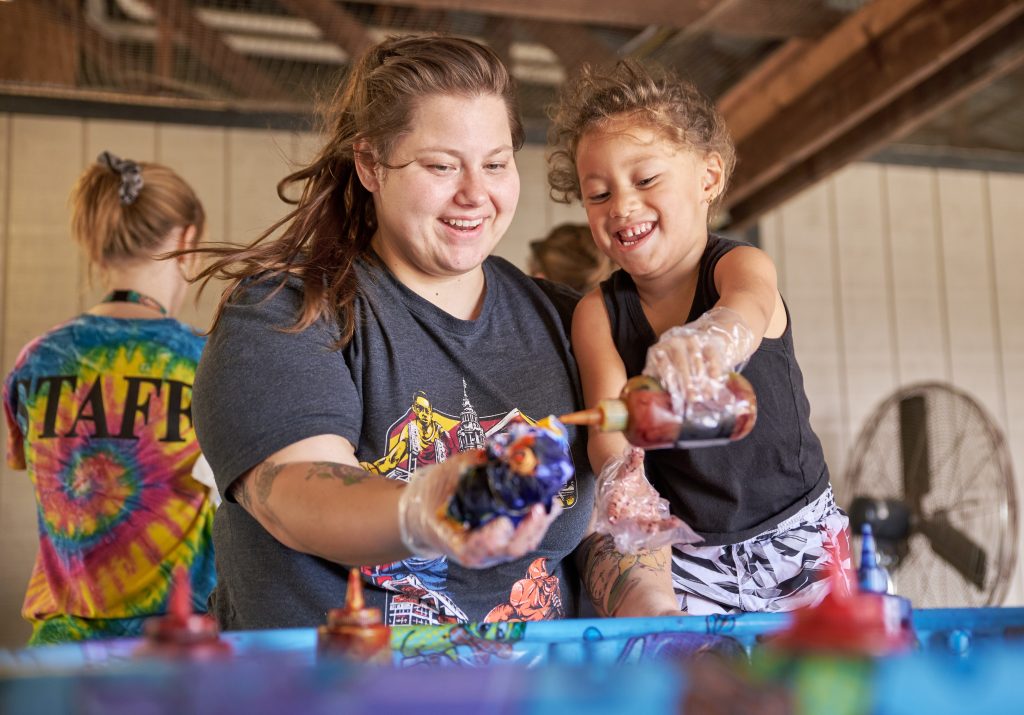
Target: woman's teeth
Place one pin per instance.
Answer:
(463, 223)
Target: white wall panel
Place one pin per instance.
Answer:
(197, 154)
(918, 295)
(41, 290)
(1007, 212)
(530, 220)
(968, 279)
(864, 295)
(811, 282)
(256, 161)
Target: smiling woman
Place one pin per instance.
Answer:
(361, 359)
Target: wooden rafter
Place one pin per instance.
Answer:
(572, 44)
(671, 13)
(335, 23)
(799, 65)
(926, 39)
(993, 58)
(97, 49)
(772, 19)
(208, 45)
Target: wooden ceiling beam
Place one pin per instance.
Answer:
(671, 13)
(209, 46)
(999, 55)
(773, 19)
(100, 52)
(933, 35)
(572, 44)
(799, 65)
(336, 24)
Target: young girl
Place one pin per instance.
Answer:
(650, 157)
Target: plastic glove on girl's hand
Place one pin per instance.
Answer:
(428, 532)
(692, 361)
(630, 510)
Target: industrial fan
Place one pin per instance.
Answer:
(930, 472)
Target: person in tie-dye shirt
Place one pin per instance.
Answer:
(99, 414)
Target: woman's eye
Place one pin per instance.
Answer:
(495, 166)
(441, 168)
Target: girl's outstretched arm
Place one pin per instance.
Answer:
(618, 584)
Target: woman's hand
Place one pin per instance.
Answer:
(428, 532)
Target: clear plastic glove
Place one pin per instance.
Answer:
(428, 533)
(693, 361)
(630, 510)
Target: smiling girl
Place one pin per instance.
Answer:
(650, 158)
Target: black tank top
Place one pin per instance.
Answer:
(730, 493)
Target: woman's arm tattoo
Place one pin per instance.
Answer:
(348, 474)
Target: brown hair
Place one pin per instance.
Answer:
(654, 96)
(334, 217)
(569, 255)
(110, 230)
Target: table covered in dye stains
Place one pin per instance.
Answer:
(965, 660)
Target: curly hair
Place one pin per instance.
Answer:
(654, 96)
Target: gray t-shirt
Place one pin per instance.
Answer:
(413, 386)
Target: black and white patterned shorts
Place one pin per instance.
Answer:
(782, 569)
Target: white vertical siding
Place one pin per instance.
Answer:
(893, 274)
(897, 275)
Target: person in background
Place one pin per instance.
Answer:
(650, 158)
(360, 357)
(568, 255)
(98, 411)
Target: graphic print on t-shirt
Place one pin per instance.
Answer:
(421, 436)
(538, 597)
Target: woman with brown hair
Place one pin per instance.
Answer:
(357, 354)
(98, 413)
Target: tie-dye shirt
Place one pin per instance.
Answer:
(99, 413)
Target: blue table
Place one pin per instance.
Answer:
(967, 660)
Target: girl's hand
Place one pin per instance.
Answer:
(692, 361)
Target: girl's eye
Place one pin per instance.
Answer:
(598, 198)
(647, 181)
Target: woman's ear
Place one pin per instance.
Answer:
(187, 238)
(366, 165)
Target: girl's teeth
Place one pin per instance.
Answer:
(634, 231)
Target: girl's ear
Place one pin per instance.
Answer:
(366, 165)
(713, 176)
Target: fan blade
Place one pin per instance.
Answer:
(956, 548)
(917, 472)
